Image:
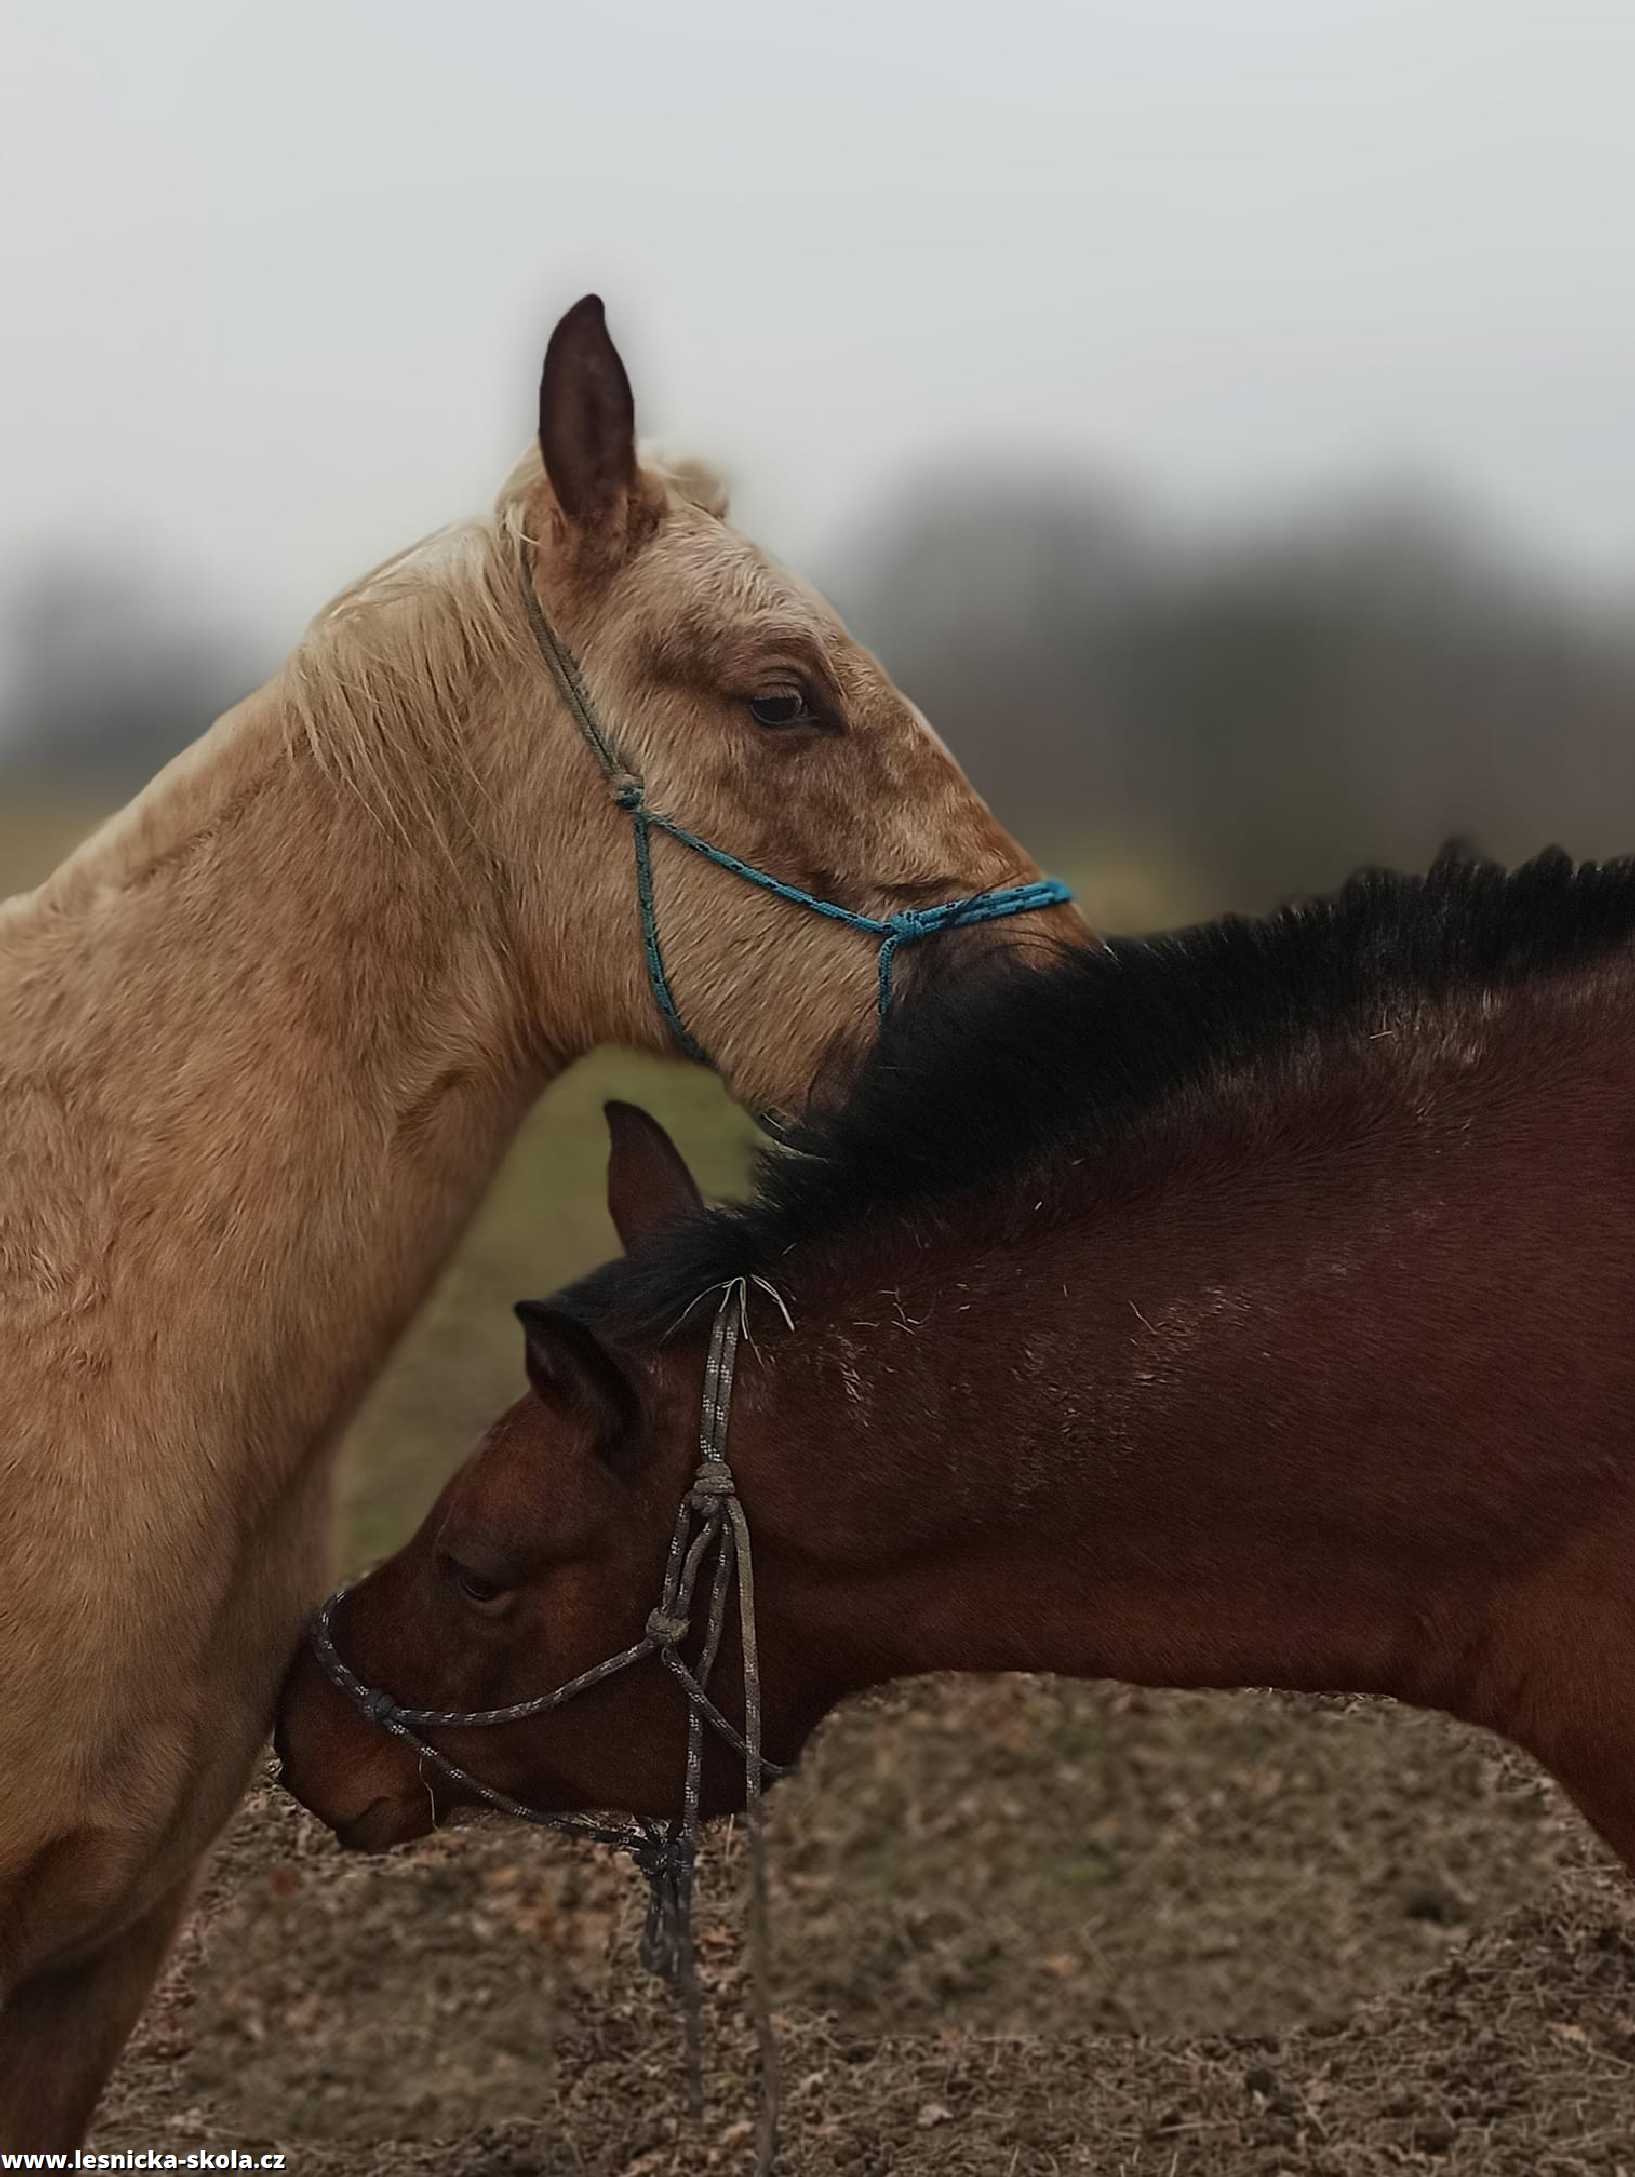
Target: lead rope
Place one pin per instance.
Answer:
(718, 1372)
(714, 1498)
(894, 931)
(760, 1904)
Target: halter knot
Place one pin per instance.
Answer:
(668, 1631)
(627, 792)
(712, 1484)
(379, 1707)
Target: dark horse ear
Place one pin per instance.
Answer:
(587, 420)
(572, 1372)
(648, 1184)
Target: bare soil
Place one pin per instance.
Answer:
(1022, 1927)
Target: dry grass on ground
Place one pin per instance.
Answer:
(1023, 1928)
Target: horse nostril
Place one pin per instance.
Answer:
(370, 1831)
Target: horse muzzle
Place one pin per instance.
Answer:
(365, 1788)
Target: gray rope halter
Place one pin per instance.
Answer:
(709, 1520)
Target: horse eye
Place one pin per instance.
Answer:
(473, 1585)
(788, 707)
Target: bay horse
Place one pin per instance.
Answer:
(1250, 1307)
(265, 1038)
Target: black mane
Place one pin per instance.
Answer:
(977, 1078)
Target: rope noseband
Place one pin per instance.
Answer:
(906, 927)
(709, 1520)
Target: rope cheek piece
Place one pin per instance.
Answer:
(709, 1521)
(894, 931)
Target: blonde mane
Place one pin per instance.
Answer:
(386, 671)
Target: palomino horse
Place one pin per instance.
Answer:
(1252, 1307)
(265, 1038)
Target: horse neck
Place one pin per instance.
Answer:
(264, 1047)
(1283, 1411)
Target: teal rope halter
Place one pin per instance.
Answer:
(893, 931)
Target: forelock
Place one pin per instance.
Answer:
(689, 479)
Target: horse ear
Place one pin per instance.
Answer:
(572, 1372)
(648, 1183)
(587, 420)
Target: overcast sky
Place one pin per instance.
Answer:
(277, 278)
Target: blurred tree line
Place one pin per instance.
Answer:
(1257, 713)
(1253, 714)
(109, 672)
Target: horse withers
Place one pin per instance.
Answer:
(1251, 1307)
(265, 1037)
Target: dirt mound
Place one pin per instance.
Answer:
(1022, 1926)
